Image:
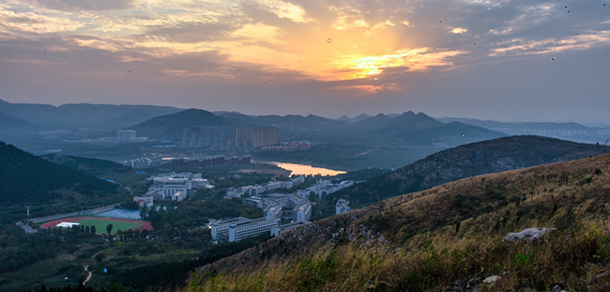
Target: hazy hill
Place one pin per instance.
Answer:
(496, 155)
(172, 126)
(25, 178)
(373, 123)
(129, 119)
(444, 239)
(408, 121)
(489, 124)
(567, 131)
(11, 122)
(360, 117)
(454, 133)
(83, 115)
(90, 166)
(287, 123)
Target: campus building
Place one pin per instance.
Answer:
(241, 230)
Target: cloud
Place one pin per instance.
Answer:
(385, 48)
(83, 5)
(369, 89)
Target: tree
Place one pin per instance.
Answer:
(109, 229)
(93, 230)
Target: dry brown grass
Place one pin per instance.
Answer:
(410, 243)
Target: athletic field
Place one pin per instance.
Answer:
(101, 223)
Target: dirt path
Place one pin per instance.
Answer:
(88, 276)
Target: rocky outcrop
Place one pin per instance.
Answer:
(529, 234)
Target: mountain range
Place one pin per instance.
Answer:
(74, 116)
(398, 129)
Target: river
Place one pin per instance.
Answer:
(303, 169)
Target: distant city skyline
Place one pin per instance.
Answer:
(503, 60)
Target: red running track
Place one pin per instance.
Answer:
(51, 224)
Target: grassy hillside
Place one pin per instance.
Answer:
(28, 178)
(444, 237)
(490, 156)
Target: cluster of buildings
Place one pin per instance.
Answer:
(172, 186)
(183, 162)
(129, 136)
(253, 190)
(207, 161)
(323, 188)
(143, 162)
(214, 136)
(276, 206)
(288, 147)
(287, 206)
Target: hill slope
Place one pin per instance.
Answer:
(90, 166)
(491, 156)
(444, 239)
(172, 126)
(11, 122)
(27, 178)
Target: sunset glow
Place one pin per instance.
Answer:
(340, 48)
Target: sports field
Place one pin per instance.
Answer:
(101, 223)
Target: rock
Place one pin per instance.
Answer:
(599, 278)
(558, 288)
(529, 234)
(491, 280)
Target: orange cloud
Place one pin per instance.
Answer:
(369, 89)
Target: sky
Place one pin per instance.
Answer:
(505, 60)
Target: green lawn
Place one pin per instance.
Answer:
(100, 225)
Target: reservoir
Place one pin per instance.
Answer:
(303, 169)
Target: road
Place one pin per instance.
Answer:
(88, 276)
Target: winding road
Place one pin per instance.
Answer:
(88, 276)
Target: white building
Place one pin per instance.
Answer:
(242, 229)
(168, 190)
(273, 209)
(232, 195)
(303, 212)
(144, 201)
(179, 196)
(341, 206)
(220, 228)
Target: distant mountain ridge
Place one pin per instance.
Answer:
(287, 123)
(503, 154)
(83, 115)
(28, 178)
